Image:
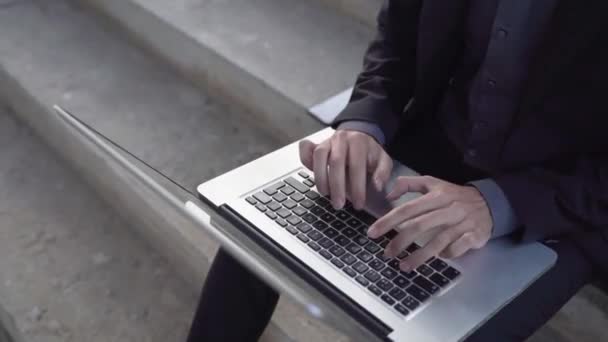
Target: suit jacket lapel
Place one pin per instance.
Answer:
(572, 27)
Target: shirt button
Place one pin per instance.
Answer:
(472, 153)
(502, 33)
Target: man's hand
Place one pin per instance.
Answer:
(459, 214)
(342, 163)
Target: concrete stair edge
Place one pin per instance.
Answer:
(365, 11)
(208, 69)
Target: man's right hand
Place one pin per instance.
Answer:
(342, 163)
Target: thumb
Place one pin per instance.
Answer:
(307, 148)
(407, 184)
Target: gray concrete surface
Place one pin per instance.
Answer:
(364, 10)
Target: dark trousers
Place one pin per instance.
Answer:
(236, 306)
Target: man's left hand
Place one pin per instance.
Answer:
(458, 214)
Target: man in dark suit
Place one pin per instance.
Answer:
(501, 104)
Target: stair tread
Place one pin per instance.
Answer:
(301, 48)
(61, 55)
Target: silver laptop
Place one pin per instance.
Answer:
(273, 200)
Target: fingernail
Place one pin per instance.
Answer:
(338, 203)
(378, 184)
(405, 267)
(371, 233)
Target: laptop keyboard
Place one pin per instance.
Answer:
(340, 237)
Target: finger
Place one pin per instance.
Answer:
(337, 170)
(383, 169)
(407, 211)
(405, 184)
(433, 248)
(320, 155)
(466, 242)
(410, 231)
(307, 148)
(357, 172)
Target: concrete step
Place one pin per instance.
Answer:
(57, 53)
(277, 57)
(365, 11)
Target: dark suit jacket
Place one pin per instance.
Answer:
(554, 164)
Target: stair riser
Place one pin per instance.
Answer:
(284, 118)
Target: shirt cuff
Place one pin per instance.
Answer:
(505, 221)
(364, 127)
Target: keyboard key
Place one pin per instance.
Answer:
(274, 206)
(412, 248)
(281, 222)
(342, 240)
(360, 267)
(260, 207)
(451, 273)
(372, 248)
(365, 256)
(290, 204)
(363, 216)
(279, 197)
(438, 265)
(337, 250)
(296, 196)
(349, 233)
(403, 255)
(317, 210)
(303, 238)
(342, 215)
(397, 293)
(410, 303)
(337, 263)
(309, 218)
(326, 243)
(304, 175)
(294, 220)
(320, 225)
(271, 215)
(372, 276)
(417, 293)
(361, 280)
(262, 198)
(348, 259)
(307, 203)
(376, 264)
(314, 235)
(294, 183)
(426, 285)
(389, 273)
(288, 191)
(361, 240)
(384, 243)
(375, 290)
(284, 213)
(327, 217)
(303, 227)
(380, 255)
(402, 309)
(314, 246)
(349, 271)
(309, 183)
(390, 235)
(292, 230)
(354, 223)
(384, 284)
(299, 211)
(338, 225)
(353, 248)
(424, 270)
(401, 282)
(330, 209)
(394, 264)
(271, 190)
(330, 233)
(326, 254)
(440, 280)
(323, 202)
(313, 195)
(251, 200)
(387, 299)
(409, 275)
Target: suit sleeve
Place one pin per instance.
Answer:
(386, 83)
(553, 200)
